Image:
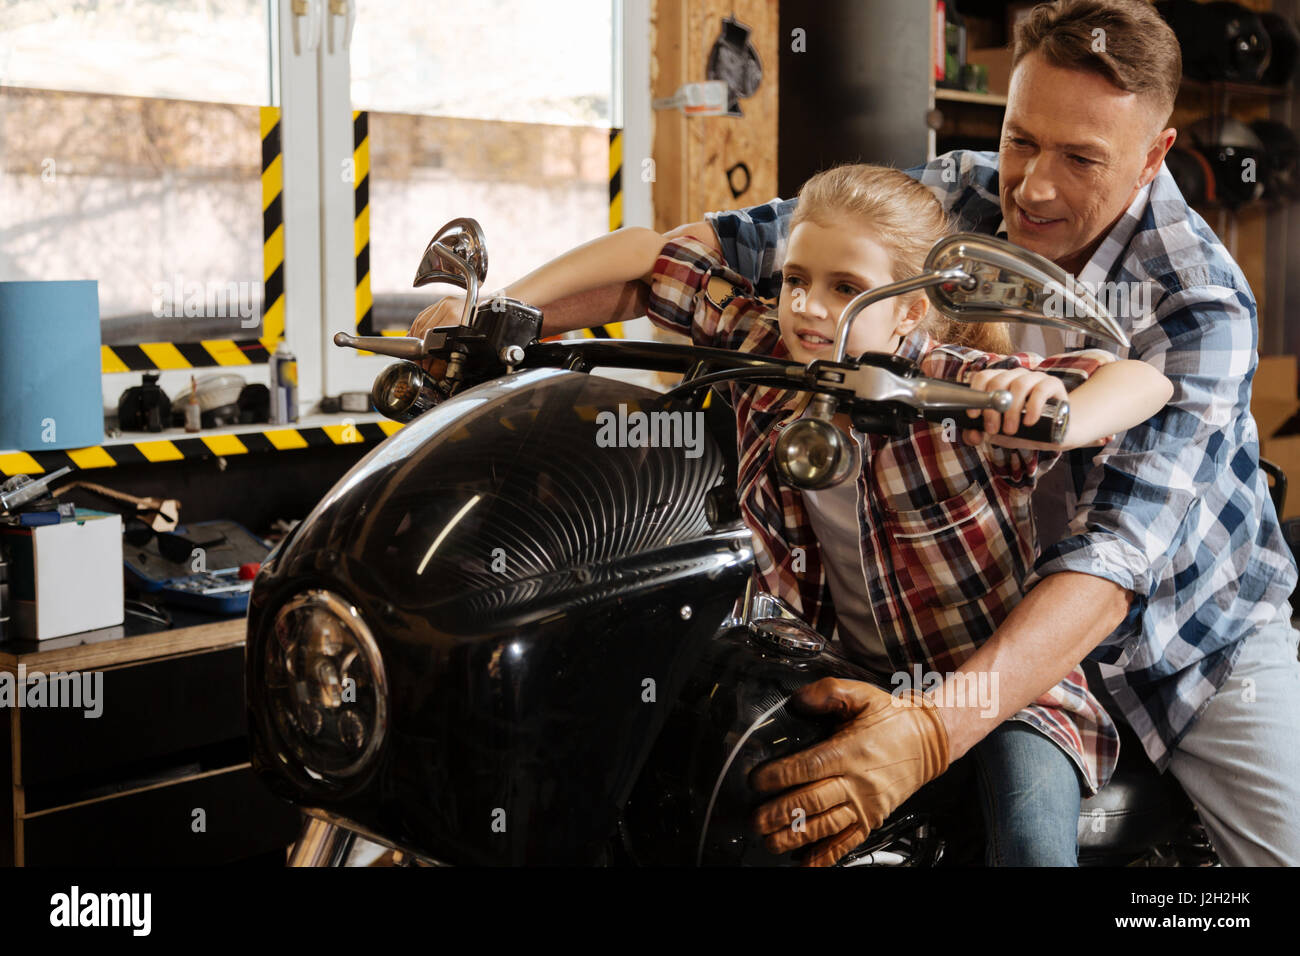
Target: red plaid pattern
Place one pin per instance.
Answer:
(948, 534)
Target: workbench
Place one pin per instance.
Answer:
(160, 777)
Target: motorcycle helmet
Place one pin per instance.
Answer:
(1220, 41)
(1284, 39)
(1235, 155)
(1281, 166)
(144, 407)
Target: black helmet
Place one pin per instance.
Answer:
(1192, 174)
(1236, 157)
(1281, 165)
(1284, 39)
(1220, 40)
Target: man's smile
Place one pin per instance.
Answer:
(1034, 224)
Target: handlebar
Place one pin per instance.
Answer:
(881, 393)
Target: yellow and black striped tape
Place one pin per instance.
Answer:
(361, 220)
(149, 356)
(613, 329)
(272, 230)
(194, 448)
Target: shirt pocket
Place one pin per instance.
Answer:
(953, 551)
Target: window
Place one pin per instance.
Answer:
(499, 110)
(132, 155)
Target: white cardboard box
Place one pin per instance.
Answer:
(65, 578)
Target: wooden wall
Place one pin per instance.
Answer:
(692, 155)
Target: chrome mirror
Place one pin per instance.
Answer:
(457, 254)
(1013, 285)
(456, 249)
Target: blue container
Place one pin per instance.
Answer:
(50, 391)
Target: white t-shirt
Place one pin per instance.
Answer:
(834, 515)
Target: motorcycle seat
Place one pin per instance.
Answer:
(1138, 808)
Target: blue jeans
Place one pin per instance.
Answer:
(1030, 795)
(1028, 792)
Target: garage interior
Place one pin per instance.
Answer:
(200, 194)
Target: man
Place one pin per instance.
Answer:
(1173, 574)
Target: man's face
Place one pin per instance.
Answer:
(825, 267)
(1075, 152)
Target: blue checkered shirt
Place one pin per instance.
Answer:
(1175, 510)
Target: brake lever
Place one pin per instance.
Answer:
(935, 400)
(409, 347)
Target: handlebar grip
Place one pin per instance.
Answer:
(1049, 428)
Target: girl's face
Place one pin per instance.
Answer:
(825, 268)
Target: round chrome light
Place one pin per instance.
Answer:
(326, 687)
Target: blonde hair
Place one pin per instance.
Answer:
(906, 219)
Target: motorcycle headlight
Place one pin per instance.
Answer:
(327, 691)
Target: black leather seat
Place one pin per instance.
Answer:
(1138, 808)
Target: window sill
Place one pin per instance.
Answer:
(176, 444)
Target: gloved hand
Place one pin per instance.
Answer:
(848, 784)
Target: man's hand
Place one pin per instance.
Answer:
(848, 784)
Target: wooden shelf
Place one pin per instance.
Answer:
(109, 647)
(962, 96)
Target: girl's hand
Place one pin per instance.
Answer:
(1029, 392)
(446, 311)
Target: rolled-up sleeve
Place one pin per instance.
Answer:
(1138, 505)
(681, 272)
(753, 242)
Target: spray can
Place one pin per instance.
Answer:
(193, 413)
(284, 385)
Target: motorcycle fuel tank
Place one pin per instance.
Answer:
(470, 645)
(693, 803)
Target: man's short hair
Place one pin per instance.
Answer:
(1125, 41)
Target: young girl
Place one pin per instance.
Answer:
(915, 563)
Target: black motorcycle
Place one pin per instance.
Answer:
(502, 639)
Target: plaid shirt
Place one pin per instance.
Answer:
(946, 530)
(1176, 510)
